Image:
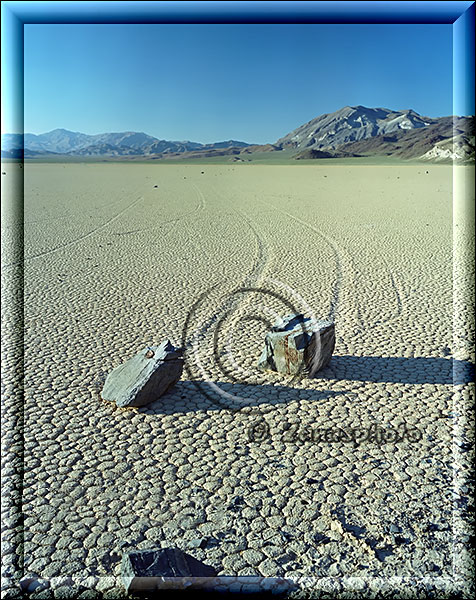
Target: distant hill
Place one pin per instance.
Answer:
(129, 143)
(357, 130)
(227, 144)
(19, 153)
(313, 153)
(203, 153)
(350, 124)
(350, 131)
(260, 148)
(447, 138)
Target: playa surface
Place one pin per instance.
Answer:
(248, 473)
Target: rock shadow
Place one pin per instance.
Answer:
(398, 369)
(195, 396)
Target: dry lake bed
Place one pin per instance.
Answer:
(354, 479)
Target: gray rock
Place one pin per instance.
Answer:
(144, 377)
(150, 569)
(298, 344)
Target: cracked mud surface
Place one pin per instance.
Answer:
(113, 264)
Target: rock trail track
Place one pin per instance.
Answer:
(105, 224)
(346, 273)
(357, 243)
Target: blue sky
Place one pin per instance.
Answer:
(214, 82)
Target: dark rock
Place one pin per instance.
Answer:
(298, 344)
(149, 569)
(144, 377)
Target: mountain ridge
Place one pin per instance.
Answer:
(349, 124)
(347, 132)
(76, 143)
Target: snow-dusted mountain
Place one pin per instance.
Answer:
(351, 124)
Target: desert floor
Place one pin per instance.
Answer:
(121, 256)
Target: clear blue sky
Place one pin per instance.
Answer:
(209, 83)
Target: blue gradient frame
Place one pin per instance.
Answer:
(16, 14)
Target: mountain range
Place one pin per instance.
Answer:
(350, 131)
(73, 143)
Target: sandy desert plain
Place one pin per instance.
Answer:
(115, 257)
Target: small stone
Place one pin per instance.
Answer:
(144, 377)
(298, 344)
(150, 569)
